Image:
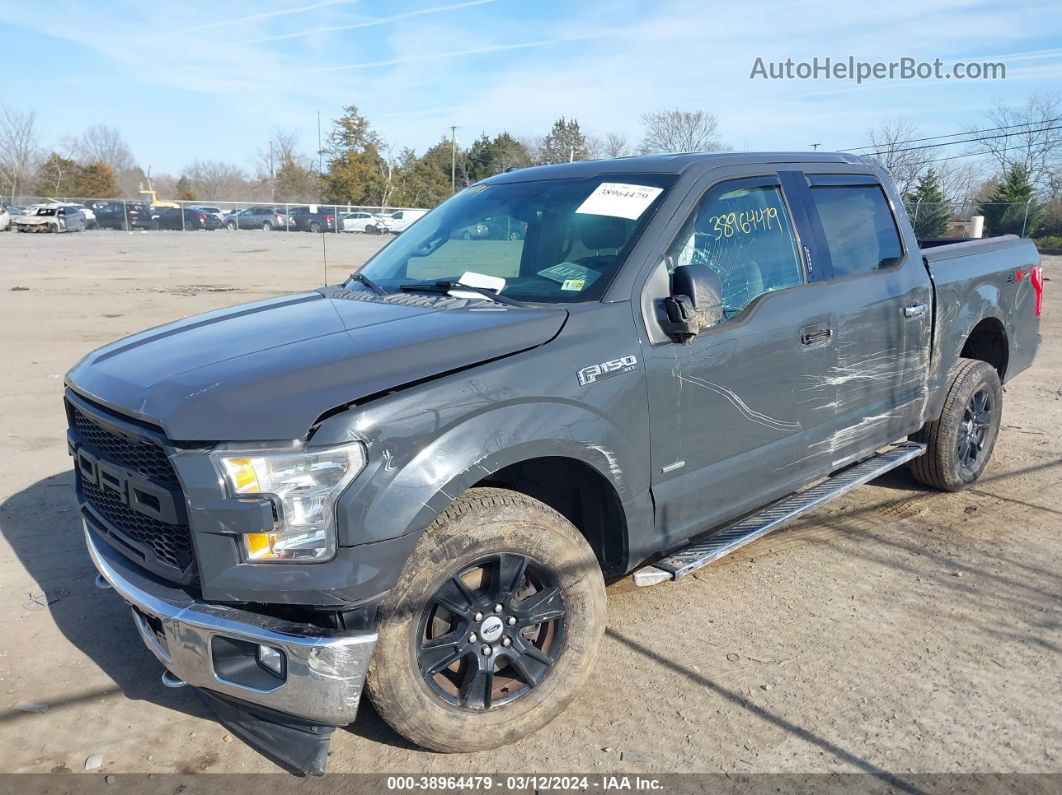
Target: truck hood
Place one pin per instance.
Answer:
(268, 370)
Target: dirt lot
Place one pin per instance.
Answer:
(895, 632)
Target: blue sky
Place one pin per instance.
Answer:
(199, 79)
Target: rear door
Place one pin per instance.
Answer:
(738, 412)
(881, 312)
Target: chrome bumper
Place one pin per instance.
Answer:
(324, 669)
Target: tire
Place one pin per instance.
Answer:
(959, 443)
(314, 226)
(231, 226)
(487, 527)
(267, 227)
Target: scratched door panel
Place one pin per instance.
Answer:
(882, 310)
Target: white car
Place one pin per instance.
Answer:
(90, 215)
(358, 221)
(399, 221)
(51, 218)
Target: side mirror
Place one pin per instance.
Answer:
(696, 301)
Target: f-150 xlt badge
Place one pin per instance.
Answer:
(599, 372)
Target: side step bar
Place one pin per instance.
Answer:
(688, 559)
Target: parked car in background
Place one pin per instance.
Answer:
(188, 219)
(13, 212)
(5, 219)
(320, 220)
(505, 228)
(399, 221)
(215, 211)
(358, 222)
(264, 218)
(120, 215)
(90, 216)
(51, 218)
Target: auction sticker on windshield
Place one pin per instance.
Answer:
(619, 200)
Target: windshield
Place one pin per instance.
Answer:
(552, 241)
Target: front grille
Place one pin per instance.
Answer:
(144, 457)
(169, 544)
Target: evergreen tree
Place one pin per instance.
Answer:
(56, 176)
(1011, 207)
(357, 172)
(95, 181)
(565, 142)
(927, 208)
(185, 191)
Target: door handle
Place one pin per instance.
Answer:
(813, 336)
(915, 310)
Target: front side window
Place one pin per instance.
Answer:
(551, 240)
(860, 232)
(745, 236)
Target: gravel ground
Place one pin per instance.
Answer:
(895, 632)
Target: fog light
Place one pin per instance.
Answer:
(272, 659)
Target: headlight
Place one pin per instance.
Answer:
(303, 486)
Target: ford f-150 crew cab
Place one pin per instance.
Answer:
(417, 482)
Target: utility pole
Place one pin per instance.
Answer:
(453, 158)
(272, 179)
(571, 155)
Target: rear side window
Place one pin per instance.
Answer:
(860, 231)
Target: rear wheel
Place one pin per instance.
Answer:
(492, 628)
(267, 227)
(314, 226)
(960, 442)
(231, 226)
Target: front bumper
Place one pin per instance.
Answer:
(200, 644)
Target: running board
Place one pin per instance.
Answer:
(688, 559)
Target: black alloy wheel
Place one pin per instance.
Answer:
(492, 632)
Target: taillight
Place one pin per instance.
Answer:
(1036, 276)
(330, 217)
(201, 217)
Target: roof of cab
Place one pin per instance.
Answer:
(668, 164)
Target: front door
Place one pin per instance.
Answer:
(738, 413)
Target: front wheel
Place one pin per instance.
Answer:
(267, 227)
(231, 226)
(492, 628)
(960, 442)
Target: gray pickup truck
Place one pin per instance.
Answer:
(418, 482)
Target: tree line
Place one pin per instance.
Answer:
(354, 167)
(1009, 166)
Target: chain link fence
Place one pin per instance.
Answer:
(145, 214)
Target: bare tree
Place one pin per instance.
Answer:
(615, 145)
(1032, 137)
(103, 144)
(891, 143)
(19, 148)
(213, 179)
(680, 131)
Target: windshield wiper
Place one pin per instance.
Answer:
(445, 287)
(361, 277)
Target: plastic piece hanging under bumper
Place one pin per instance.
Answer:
(300, 670)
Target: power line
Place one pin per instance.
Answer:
(967, 154)
(964, 141)
(953, 135)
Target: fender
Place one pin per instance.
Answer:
(395, 497)
(958, 316)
